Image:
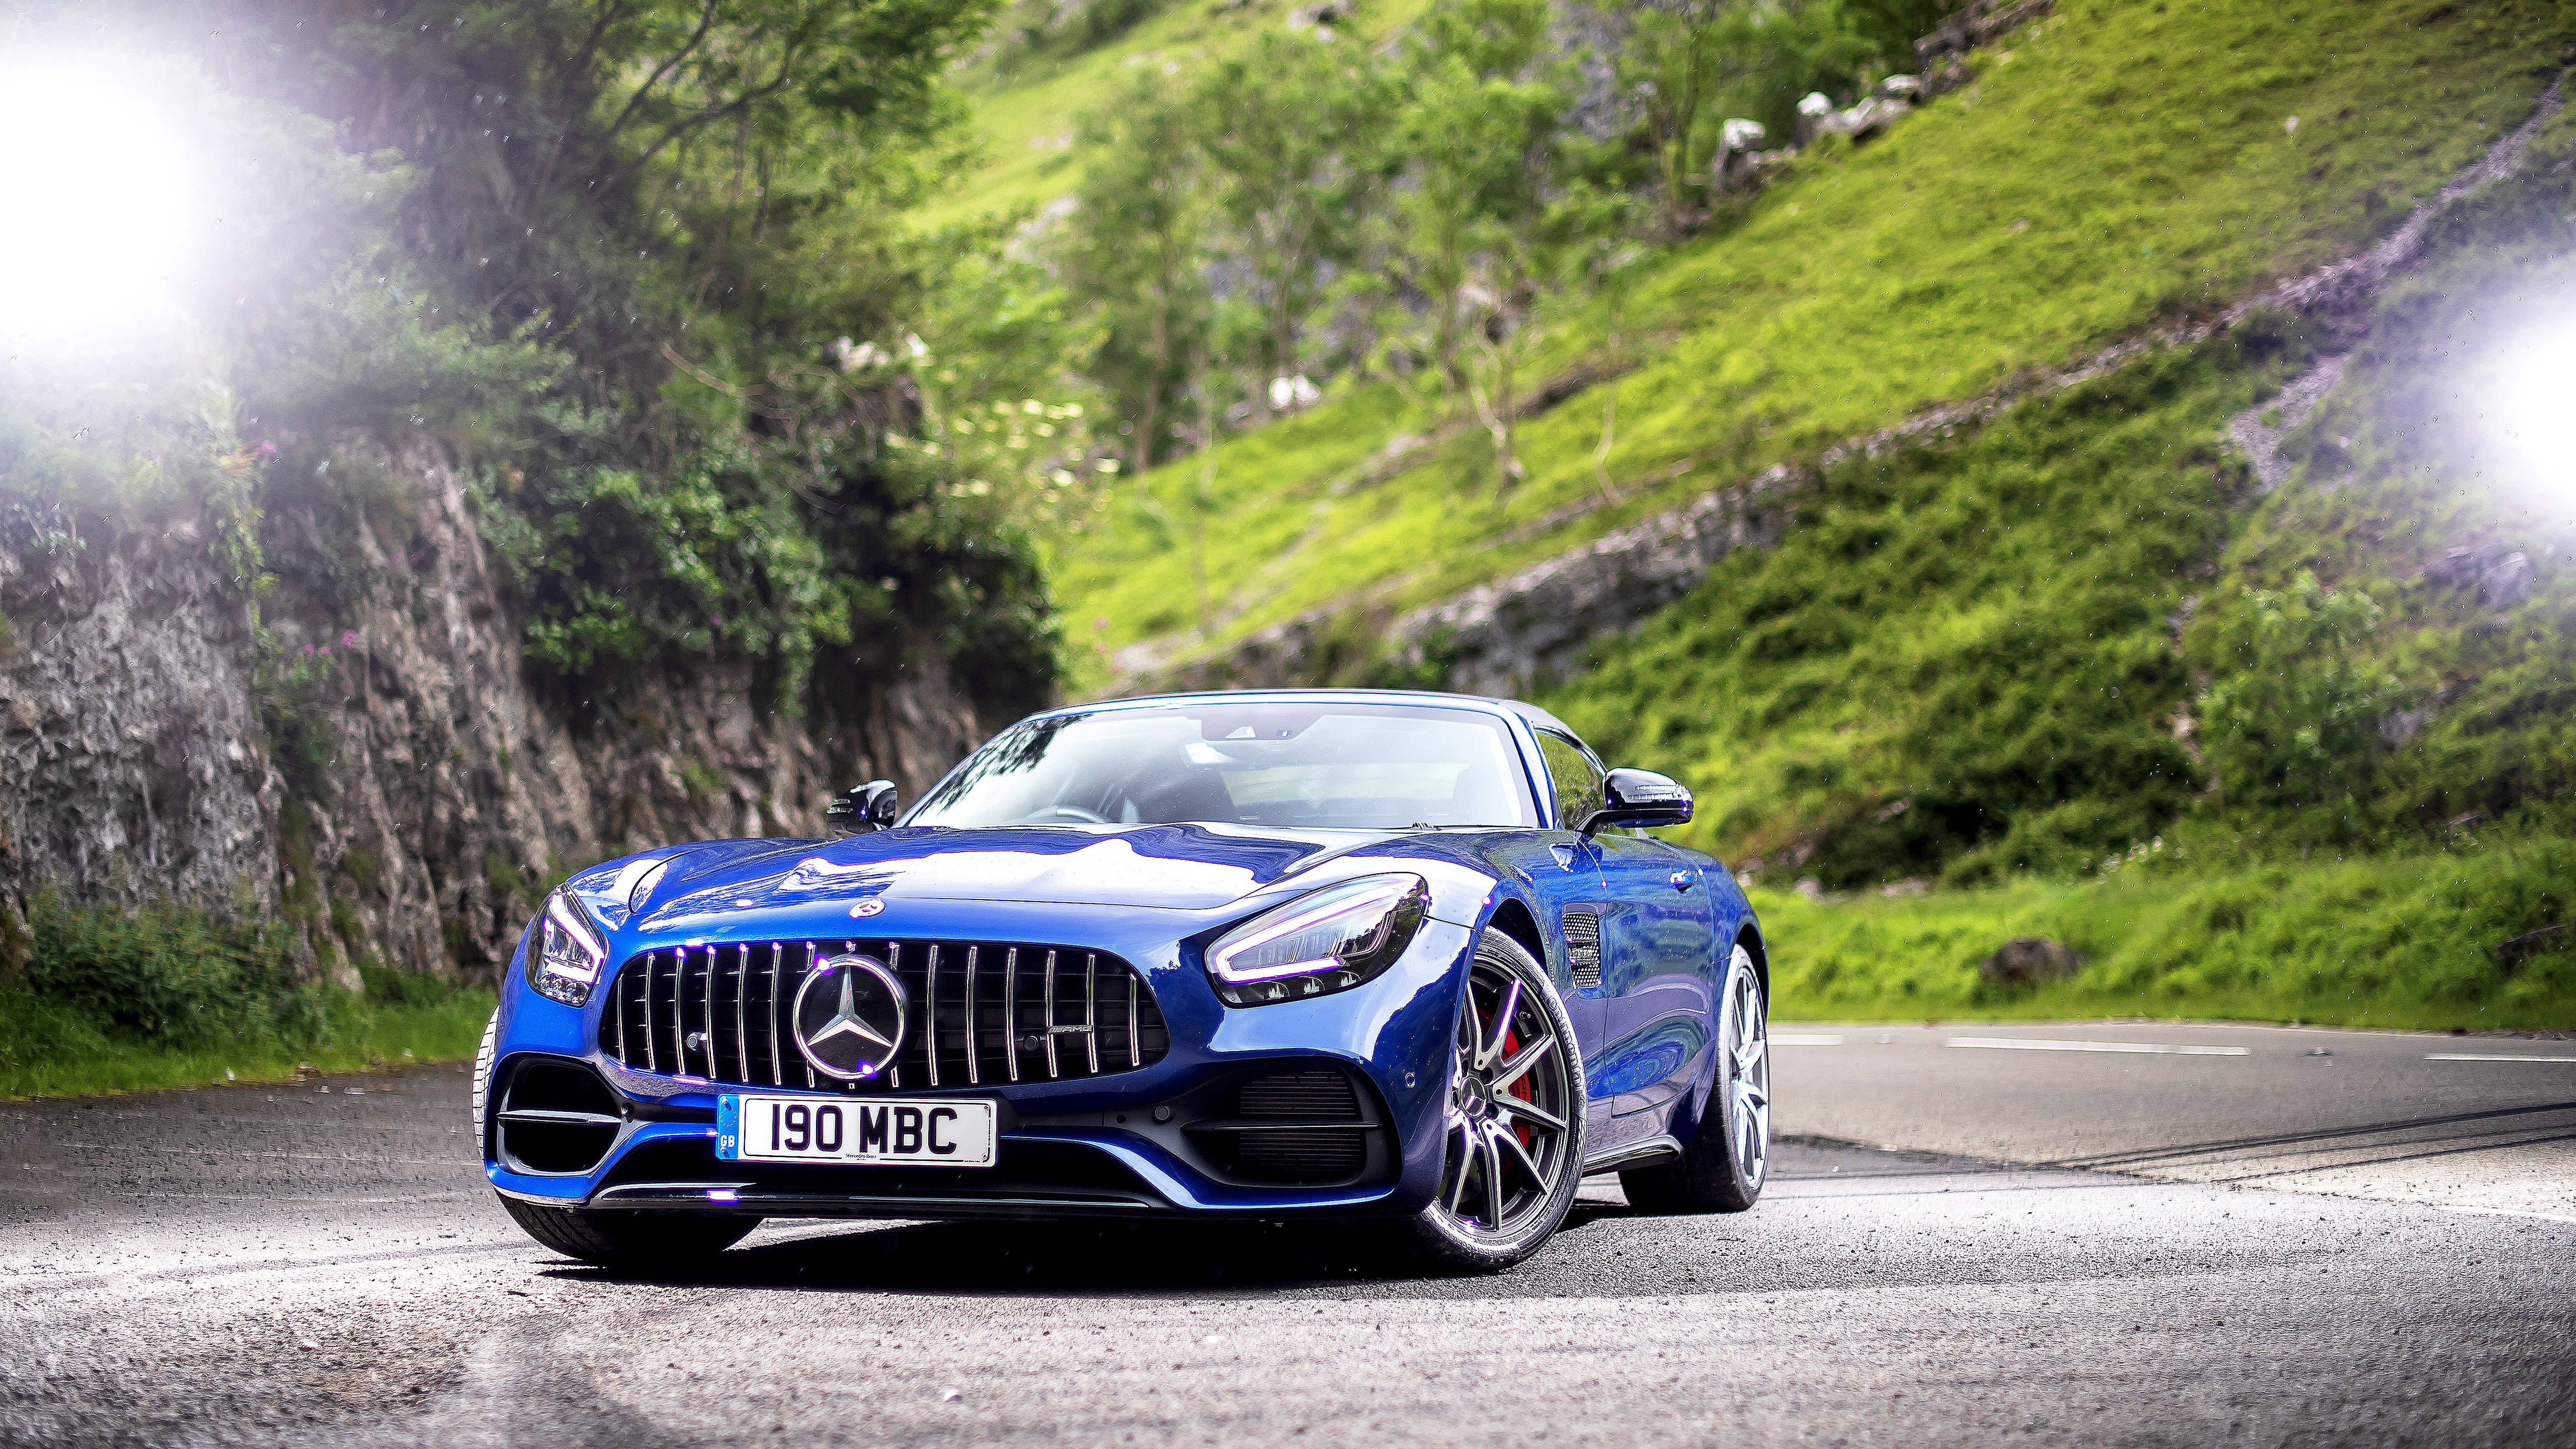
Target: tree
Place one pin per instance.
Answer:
(1483, 97)
(1678, 56)
(1289, 130)
(1134, 253)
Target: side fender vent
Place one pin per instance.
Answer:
(1583, 946)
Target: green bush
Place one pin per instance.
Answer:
(2295, 721)
(171, 976)
(162, 996)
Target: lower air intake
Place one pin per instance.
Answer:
(553, 1116)
(1305, 1127)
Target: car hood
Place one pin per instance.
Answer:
(1172, 867)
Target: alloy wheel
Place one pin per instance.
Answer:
(1748, 1071)
(1510, 1124)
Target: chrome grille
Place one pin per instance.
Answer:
(996, 1012)
(1583, 947)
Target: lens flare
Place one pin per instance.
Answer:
(2533, 404)
(97, 219)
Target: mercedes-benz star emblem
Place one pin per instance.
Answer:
(849, 1017)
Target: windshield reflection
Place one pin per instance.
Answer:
(1338, 765)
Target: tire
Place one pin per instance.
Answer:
(1722, 1168)
(483, 1086)
(658, 1241)
(1512, 1134)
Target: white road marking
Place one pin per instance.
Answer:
(2505, 1212)
(2017, 1044)
(1784, 1038)
(2476, 1057)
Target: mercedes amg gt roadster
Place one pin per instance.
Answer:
(1330, 954)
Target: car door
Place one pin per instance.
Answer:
(1653, 1001)
(1574, 780)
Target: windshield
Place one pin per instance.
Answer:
(1328, 766)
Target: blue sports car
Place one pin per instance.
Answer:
(1274, 955)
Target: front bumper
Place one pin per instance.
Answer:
(1162, 1139)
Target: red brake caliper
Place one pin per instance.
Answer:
(1521, 1088)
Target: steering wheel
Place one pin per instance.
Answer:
(1074, 814)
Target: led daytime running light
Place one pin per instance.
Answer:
(1331, 940)
(569, 952)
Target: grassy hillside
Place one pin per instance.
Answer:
(1028, 90)
(1973, 656)
(1982, 660)
(2401, 940)
(2029, 662)
(2115, 166)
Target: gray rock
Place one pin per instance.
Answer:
(138, 768)
(1812, 114)
(1739, 159)
(1980, 24)
(1900, 88)
(1871, 117)
(1859, 122)
(1538, 625)
(1326, 13)
(2513, 952)
(2030, 961)
(2405, 724)
(2502, 576)
(1948, 76)
(2508, 583)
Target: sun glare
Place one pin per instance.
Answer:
(97, 216)
(2534, 403)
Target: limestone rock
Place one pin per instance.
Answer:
(1812, 113)
(458, 788)
(1537, 626)
(1948, 76)
(1739, 156)
(1858, 122)
(1980, 24)
(2502, 576)
(1323, 13)
(2030, 961)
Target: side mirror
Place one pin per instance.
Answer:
(1640, 797)
(871, 806)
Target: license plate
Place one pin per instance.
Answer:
(954, 1132)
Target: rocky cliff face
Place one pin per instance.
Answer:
(434, 791)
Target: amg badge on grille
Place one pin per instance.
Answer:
(850, 1017)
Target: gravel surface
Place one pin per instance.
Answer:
(274, 1265)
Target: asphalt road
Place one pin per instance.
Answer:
(272, 1265)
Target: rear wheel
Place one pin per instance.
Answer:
(1512, 1131)
(1722, 1168)
(648, 1241)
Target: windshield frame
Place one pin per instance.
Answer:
(1535, 795)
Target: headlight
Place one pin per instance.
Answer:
(565, 960)
(1329, 941)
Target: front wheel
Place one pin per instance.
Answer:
(1512, 1129)
(1722, 1169)
(643, 1241)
